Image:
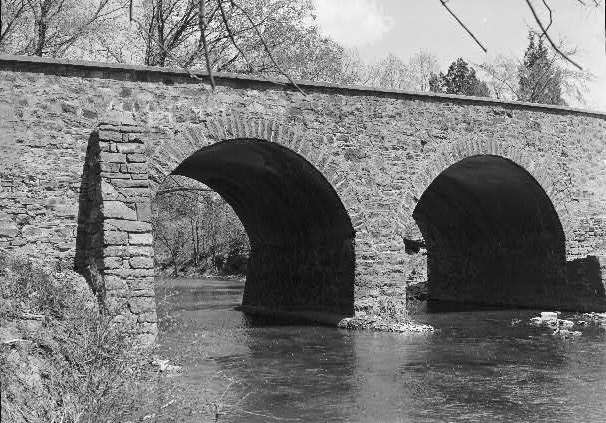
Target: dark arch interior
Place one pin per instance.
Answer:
(302, 250)
(493, 236)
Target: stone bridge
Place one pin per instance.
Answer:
(345, 192)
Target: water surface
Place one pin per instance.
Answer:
(476, 368)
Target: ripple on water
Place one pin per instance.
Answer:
(478, 367)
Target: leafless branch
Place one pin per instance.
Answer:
(265, 46)
(202, 26)
(550, 15)
(544, 30)
(231, 35)
(463, 25)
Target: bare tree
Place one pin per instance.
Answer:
(544, 26)
(12, 20)
(52, 27)
(393, 72)
(197, 230)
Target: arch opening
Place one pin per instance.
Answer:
(493, 236)
(301, 238)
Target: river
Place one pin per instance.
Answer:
(477, 367)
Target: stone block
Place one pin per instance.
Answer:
(112, 157)
(118, 210)
(106, 135)
(148, 328)
(110, 167)
(130, 273)
(117, 118)
(142, 262)
(140, 305)
(137, 167)
(140, 239)
(128, 183)
(146, 338)
(131, 147)
(115, 238)
(113, 283)
(140, 251)
(141, 284)
(116, 251)
(112, 262)
(35, 233)
(8, 229)
(136, 158)
(148, 317)
(128, 225)
(115, 175)
(144, 212)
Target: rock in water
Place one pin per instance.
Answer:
(549, 315)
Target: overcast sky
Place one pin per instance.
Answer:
(403, 27)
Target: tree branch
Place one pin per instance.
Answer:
(231, 36)
(202, 26)
(557, 50)
(265, 46)
(463, 25)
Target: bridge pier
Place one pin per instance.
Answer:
(115, 241)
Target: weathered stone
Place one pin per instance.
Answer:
(112, 262)
(131, 148)
(110, 136)
(112, 157)
(144, 212)
(137, 167)
(128, 225)
(143, 283)
(115, 238)
(149, 317)
(118, 210)
(136, 158)
(130, 273)
(140, 239)
(142, 263)
(140, 251)
(142, 304)
(8, 229)
(113, 283)
(110, 167)
(128, 183)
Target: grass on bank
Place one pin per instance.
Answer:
(61, 359)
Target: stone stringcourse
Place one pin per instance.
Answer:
(85, 146)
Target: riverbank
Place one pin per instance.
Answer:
(61, 357)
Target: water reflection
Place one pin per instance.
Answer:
(478, 367)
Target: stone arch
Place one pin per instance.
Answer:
(170, 152)
(540, 166)
(494, 224)
(320, 269)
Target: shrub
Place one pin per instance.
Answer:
(61, 359)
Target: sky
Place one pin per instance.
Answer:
(404, 27)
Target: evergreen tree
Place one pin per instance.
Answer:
(460, 79)
(539, 77)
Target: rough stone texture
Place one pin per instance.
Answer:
(80, 143)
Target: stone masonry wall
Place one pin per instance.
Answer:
(388, 144)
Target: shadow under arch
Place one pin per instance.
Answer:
(302, 258)
(493, 236)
